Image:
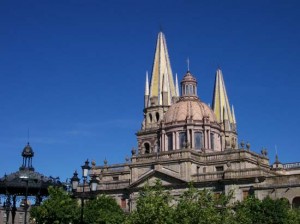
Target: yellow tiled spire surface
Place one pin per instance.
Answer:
(162, 72)
(220, 104)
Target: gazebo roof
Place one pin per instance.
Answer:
(17, 182)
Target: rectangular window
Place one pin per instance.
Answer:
(217, 195)
(219, 168)
(115, 178)
(204, 169)
(212, 141)
(245, 194)
(198, 140)
(170, 142)
(182, 140)
(123, 202)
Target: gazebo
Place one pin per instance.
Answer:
(22, 189)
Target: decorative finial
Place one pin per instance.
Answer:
(127, 159)
(188, 64)
(242, 144)
(264, 152)
(248, 146)
(133, 151)
(276, 155)
(105, 161)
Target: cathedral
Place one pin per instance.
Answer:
(184, 140)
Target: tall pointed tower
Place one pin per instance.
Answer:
(225, 115)
(159, 96)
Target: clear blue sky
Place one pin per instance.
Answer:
(73, 72)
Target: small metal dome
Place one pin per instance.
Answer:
(27, 151)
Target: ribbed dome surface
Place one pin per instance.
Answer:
(189, 109)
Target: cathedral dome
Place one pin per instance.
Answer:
(189, 106)
(192, 109)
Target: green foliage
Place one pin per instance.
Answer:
(267, 211)
(59, 208)
(153, 206)
(104, 210)
(201, 206)
(293, 216)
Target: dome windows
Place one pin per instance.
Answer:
(198, 140)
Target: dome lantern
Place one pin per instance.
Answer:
(27, 155)
(189, 85)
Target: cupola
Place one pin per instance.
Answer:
(189, 85)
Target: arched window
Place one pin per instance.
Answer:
(182, 140)
(157, 116)
(170, 142)
(198, 140)
(147, 148)
(296, 202)
(212, 141)
(150, 118)
(191, 89)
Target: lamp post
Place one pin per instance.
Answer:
(26, 179)
(7, 206)
(75, 184)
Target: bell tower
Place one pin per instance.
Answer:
(159, 96)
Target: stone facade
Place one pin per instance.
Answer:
(184, 140)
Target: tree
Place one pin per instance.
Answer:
(201, 206)
(248, 211)
(58, 208)
(267, 211)
(153, 206)
(103, 209)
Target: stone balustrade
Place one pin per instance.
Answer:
(201, 156)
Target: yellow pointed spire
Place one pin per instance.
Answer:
(176, 86)
(233, 114)
(147, 85)
(161, 67)
(220, 104)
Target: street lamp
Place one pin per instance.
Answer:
(75, 183)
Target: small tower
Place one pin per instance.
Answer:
(27, 155)
(224, 114)
(277, 165)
